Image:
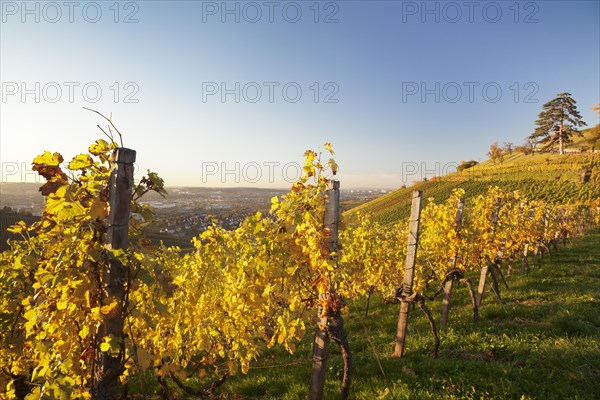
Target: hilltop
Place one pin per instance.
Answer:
(570, 178)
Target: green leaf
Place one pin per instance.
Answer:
(146, 212)
(154, 182)
(145, 277)
(160, 307)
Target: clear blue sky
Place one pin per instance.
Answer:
(374, 57)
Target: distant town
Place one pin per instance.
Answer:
(185, 211)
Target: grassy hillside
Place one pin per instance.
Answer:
(550, 177)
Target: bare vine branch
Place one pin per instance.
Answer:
(109, 121)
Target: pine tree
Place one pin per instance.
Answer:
(558, 122)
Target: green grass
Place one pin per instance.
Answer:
(543, 343)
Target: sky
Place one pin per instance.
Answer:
(215, 93)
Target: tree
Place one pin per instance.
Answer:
(508, 147)
(595, 131)
(496, 153)
(527, 148)
(558, 122)
(530, 145)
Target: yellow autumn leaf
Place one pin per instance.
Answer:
(108, 308)
(84, 332)
(81, 161)
(231, 368)
(144, 358)
(105, 346)
(99, 147)
(98, 209)
(245, 367)
(18, 228)
(333, 166)
(48, 159)
(61, 305)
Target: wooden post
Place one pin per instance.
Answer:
(496, 268)
(543, 243)
(537, 255)
(447, 301)
(332, 215)
(481, 287)
(486, 268)
(524, 262)
(495, 274)
(321, 341)
(114, 274)
(409, 270)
